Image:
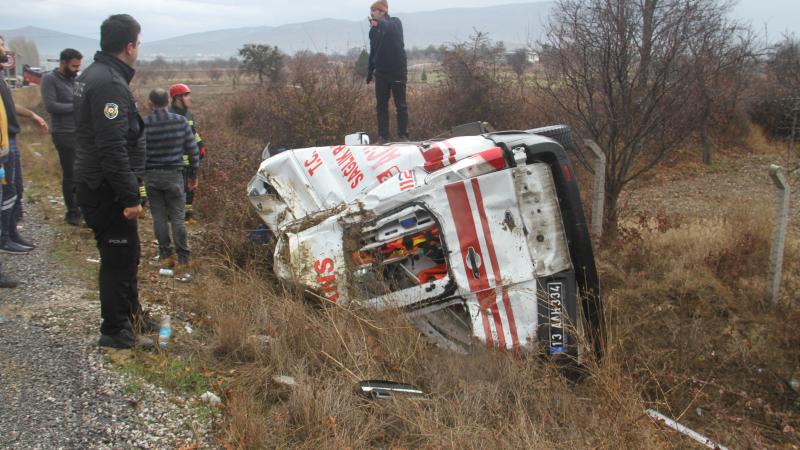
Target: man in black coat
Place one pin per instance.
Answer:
(388, 67)
(109, 167)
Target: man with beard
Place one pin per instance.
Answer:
(11, 204)
(57, 92)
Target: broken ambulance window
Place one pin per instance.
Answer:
(400, 251)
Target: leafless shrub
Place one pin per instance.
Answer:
(623, 74)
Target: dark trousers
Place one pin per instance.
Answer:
(383, 90)
(188, 207)
(1, 229)
(65, 144)
(167, 201)
(118, 242)
(11, 200)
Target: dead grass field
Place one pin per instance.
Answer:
(690, 333)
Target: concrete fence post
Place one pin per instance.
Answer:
(779, 231)
(599, 194)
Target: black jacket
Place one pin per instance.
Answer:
(387, 52)
(109, 129)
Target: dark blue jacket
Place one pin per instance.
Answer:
(387, 52)
(169, 138)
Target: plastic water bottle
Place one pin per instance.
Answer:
(165, 332)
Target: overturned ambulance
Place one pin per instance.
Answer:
(479, 239)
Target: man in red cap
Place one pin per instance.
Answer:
(181, 97)
(388, 67)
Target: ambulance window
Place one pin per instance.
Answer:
(402, 252)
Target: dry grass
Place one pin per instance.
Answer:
(683, 335)
(489, 399)
(689, 302)
(688, 327)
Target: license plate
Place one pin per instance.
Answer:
(555, 295)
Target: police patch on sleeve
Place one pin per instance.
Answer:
(111, 111)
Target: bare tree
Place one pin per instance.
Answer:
(622, 72)
(783, 90)
(262, 60)
(519, 62)
(724, 58)
(473, 78)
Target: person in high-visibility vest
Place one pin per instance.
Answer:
(11, 242)
(181, 97)
(5, 280)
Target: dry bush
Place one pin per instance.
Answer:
(689, 309)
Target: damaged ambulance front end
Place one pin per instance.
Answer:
(479, 239)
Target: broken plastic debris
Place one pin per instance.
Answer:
(658, 417)
(210, 399)
(185, 278)
(188, 328)
(794, 383)
(387, 389)
(285, 380)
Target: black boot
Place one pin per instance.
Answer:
(12, 248)
(125, 339)
(15, 237)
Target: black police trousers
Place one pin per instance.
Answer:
(118, 242)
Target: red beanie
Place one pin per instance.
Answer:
(381, 4)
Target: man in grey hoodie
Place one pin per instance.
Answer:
(57, 92)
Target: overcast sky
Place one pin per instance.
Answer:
(166, 18)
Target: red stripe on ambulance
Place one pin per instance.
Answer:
(498, 279)
(468, 239)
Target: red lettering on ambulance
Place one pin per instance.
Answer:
(383, 155)
(349, 166)
(324, 266)
(388, 173)
(313, 163)
(327, 283)
(407, 180)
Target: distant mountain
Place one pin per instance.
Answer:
(514, 24)
(50, 43)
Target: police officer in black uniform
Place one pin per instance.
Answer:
(109, 164)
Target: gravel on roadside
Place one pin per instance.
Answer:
(57, 388)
